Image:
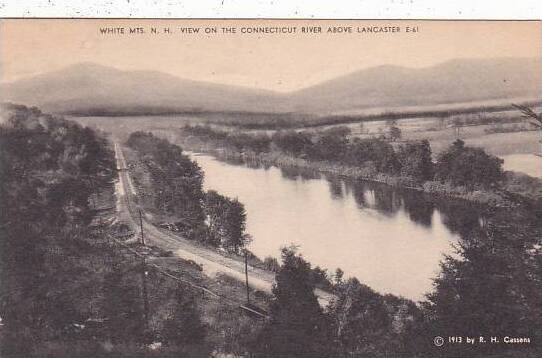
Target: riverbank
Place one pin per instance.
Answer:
(515, 187)
(162, 224)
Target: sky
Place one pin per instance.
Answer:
(281, 62)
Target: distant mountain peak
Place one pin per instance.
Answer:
(88, 87)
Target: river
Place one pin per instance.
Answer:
(530, 164)
(389, 239)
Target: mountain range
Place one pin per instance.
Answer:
(91, 89)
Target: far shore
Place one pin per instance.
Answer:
(493, 198)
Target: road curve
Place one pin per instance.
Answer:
(211, 262)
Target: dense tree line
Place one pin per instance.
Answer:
(65, 289)
(459, 165)
(177, 182)
(177, 190)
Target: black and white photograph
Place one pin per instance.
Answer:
(270, 188)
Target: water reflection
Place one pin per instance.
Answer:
(460, 218)
(389, 201)
(294, 173)
(391, 239)
(335, 187)
(419, 209)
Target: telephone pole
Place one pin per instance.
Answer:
(246, 277)
(141, 226)
(144, 274)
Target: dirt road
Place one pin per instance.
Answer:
(210, 261)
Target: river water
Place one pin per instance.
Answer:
(389, 239)
(530, 164)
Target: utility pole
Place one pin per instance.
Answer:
(246, 276)
(141, 226)
(145, 297)
(101, 226)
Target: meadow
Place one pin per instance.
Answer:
(498, 131)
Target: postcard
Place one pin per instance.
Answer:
(270, 188)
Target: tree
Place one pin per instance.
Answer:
(395, 133)
(271, 264)
(338, 276)
(183, 326)
(491, 287)
(360, 320)
(292, 142)
(297, 327)
(123, 305)
(415, 159)
(330, 146)
(534, 118)
(226, 220)
(377, 151)
(468, 166)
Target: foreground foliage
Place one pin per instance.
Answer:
(67, 291)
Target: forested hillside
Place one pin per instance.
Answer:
(66, 289)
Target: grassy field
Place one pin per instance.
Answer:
(498, 143)
(493, 143)
(441, 135)
(438, 130)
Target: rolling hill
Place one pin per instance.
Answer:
(88, 88)
(457, 81)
